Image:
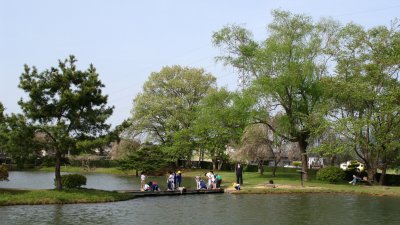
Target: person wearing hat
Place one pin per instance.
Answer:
(179, 179)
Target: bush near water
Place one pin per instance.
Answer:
(3, 173)
(73, 180)
(331, 174)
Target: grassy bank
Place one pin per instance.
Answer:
(37, 197)
(288, 181)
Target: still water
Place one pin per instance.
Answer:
(215, 209)
(45, 180)
(310, 209)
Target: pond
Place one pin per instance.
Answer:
(218, 209)
(45, 180)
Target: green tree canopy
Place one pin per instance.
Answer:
(285, 70)
(65, 104)
(366, 109)
(148, 158)
(166, 108)
(18, 139)
(221, 118)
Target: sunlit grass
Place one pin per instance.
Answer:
(35, 197)
(288, 181)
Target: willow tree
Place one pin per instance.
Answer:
(285, 70)
(66, 105)
(166, 108)
(366, 109)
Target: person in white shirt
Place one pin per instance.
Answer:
(171, 184)
(210, 176)
(142, 181)
(197, 178)
(146, 187)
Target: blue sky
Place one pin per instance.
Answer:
(127, 40)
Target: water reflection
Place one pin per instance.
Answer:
(216, 209)
(44, 180)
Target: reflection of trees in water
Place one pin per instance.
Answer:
(57, 215)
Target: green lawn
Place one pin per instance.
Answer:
(288, 181)
(37, 197)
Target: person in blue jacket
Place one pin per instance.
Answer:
(178, 179)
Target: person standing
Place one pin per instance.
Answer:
(218, 182)
(175, 182)
(210, 176)
(170, 181)
(239, 174)
(178, 179)
(197, 178)
(142, 181)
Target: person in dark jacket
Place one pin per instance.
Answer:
(239, 173)
(179, 179)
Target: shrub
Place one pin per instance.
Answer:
(3, 173)
(296, 163)
(331, 174)
(73, 180)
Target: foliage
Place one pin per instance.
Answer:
(1, 113)
(148, 158)
(73, 180)
(66, 106)
(284, 71)
(296, 163)
(123, 148)
(18, 140)
(221, 118)
(3, 173)
(331, 174)
(166, 108)
(365, 113)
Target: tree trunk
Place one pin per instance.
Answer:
(137, 173)
(371, 174)
(215, 164)
(274, 170)
(220, 165)
(189, 161)
(383, 175)
(304, 159)
(261, 167)
(58, 171)
(332, 161)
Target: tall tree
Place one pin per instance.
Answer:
(367, 107)
(286, 69)
(221, 118)
(65, 104)
(166, 108)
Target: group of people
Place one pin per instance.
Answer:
(174, 180)
(213, 181)
(150, 186)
